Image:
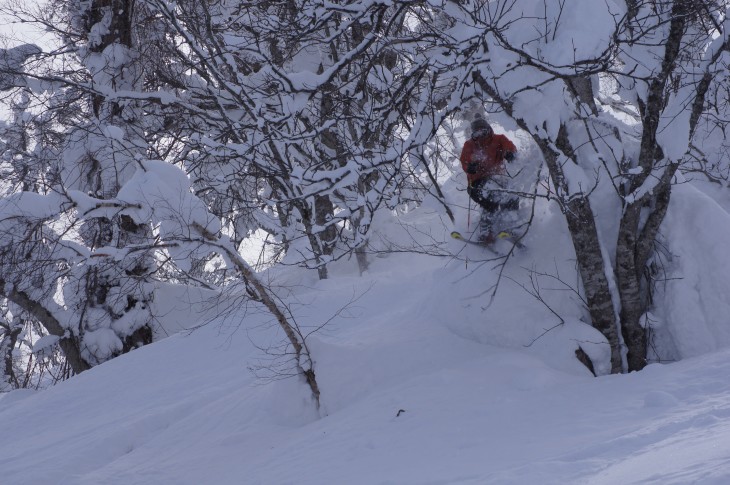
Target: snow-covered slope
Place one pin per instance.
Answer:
(425, 379)
(186, 411)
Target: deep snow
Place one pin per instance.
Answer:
(423, 380)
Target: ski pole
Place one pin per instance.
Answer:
(468, 204)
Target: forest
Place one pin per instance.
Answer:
(204, 144)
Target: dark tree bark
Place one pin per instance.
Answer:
(635, 239)
(7, 346)
(69, 345)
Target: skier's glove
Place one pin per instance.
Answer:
(471, 168)
(509, 156)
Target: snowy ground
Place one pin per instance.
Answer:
(185, 411)
(423, 382)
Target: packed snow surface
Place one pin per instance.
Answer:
(425, 379)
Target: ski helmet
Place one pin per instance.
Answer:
(480, 127)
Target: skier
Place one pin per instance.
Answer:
(482, 158)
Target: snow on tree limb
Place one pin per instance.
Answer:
(11, 62)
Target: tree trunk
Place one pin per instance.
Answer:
(593, 274)
(629, 286)
(324, 211)
(633, 250)
(69, 345)
(259, 292)
(591, 264)
(7, 345)
(635, 241)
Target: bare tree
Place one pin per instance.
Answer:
(312, 123)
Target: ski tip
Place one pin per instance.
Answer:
(456, 235)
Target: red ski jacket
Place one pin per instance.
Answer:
(488, 153)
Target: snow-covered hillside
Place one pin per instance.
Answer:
(424, 378)
(186, 412)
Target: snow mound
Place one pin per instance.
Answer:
(694, 300)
